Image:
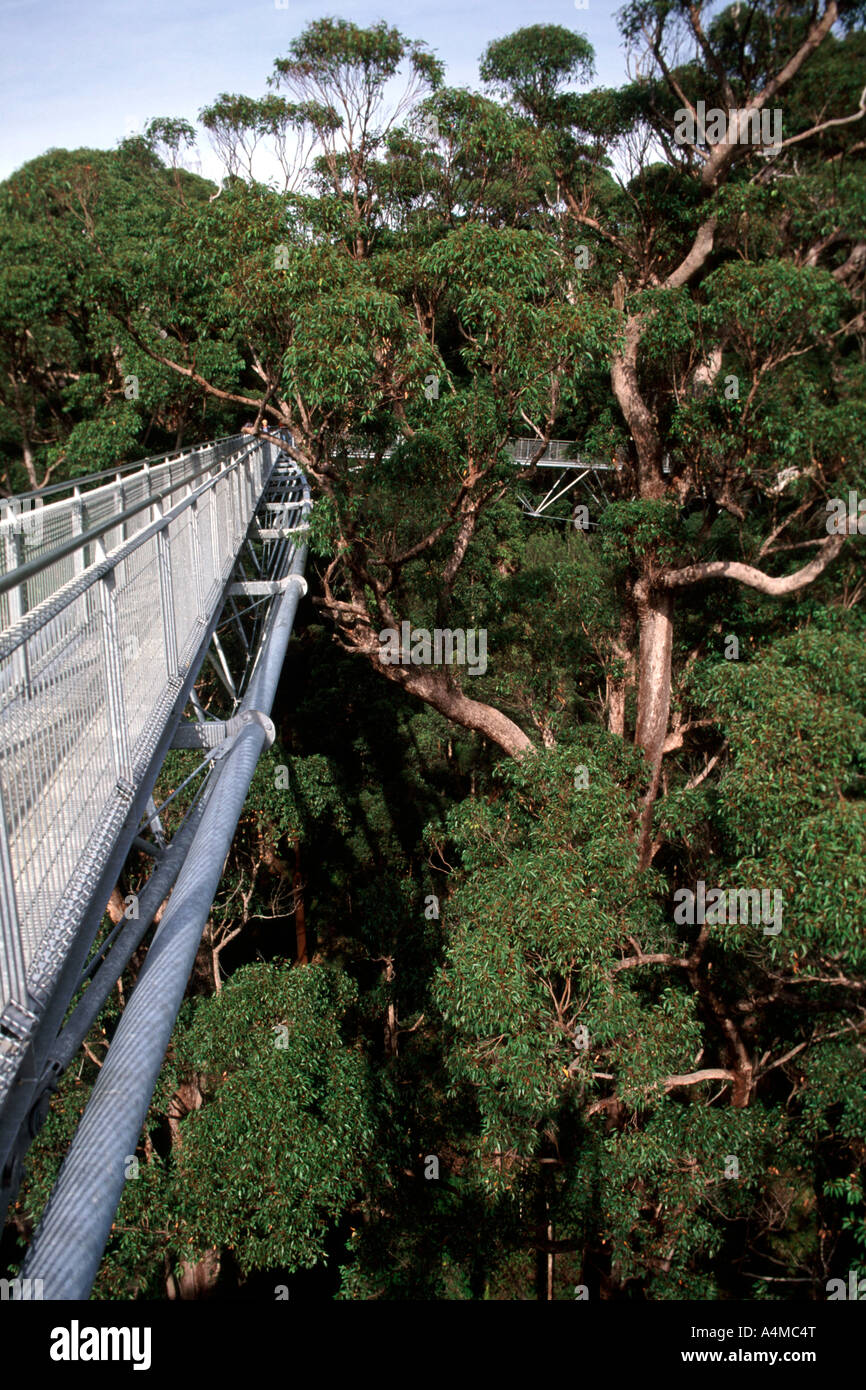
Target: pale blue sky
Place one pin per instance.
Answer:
(88, 72)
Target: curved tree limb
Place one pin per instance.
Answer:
(775, 585)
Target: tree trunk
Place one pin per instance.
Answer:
(618, 688)
(195, 1280)
(301, 954)
(655, 609)
(29, 463)
(187, 1097)
(550, 1264)
(626, 388)
(391, 1030)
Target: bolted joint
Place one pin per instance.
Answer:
(210, 733)
(255, 716)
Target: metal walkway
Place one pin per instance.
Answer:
(113, 591)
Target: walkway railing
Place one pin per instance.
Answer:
(104, 599)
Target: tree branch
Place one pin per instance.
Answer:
(774, 585)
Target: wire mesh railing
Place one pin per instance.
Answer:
(35, 523)
(102, 611)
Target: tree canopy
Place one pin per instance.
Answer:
(511, 1067)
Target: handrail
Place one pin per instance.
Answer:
(89, 672)
(108, 473)
(22, 573)
(67, 1247)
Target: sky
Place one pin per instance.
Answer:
(89, 72)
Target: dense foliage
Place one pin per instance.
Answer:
(449, 1036)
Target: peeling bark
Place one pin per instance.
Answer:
(187, 1097)
(617, 689)
(654, 691)
(624, 380)
(655, 609)
(195, 1280)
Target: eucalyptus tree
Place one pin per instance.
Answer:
(350, 298)
(737, 373)
(76, 395)
(486, 270)
(735, 266)
(382, 328)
